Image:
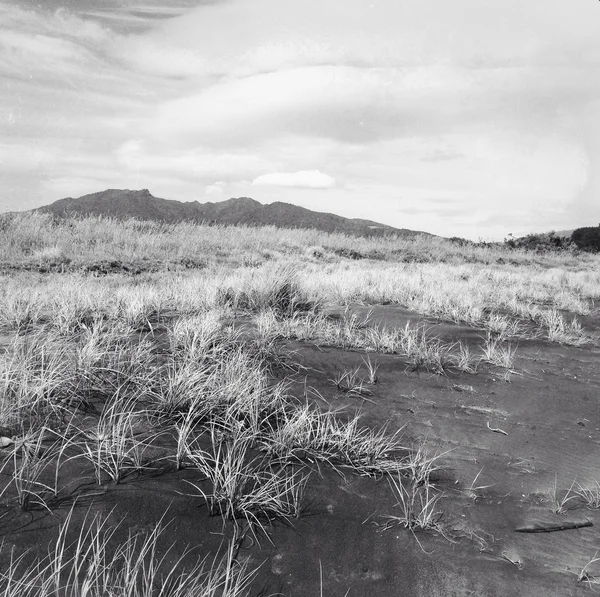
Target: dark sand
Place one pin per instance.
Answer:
(549, 412)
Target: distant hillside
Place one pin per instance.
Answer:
(142, 205)
(564, 233)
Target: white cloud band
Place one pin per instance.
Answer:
(305, 179)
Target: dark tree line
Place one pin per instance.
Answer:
(587, 239)
(542, 242)
(582, 239)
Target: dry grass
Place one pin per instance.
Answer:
(562, 502)
(108, 369)
(586, 575)
(242, 487)
(418, 505)
(497, 353)
(511, 301)
(39, 240)
(100, 566)
(35, 460)
(590, 494)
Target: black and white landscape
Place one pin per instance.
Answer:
(299, 298)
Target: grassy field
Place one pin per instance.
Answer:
(239, 372)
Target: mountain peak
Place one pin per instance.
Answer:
(241, 202)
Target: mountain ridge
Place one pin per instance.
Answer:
(142, 205)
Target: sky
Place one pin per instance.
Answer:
(471, 118)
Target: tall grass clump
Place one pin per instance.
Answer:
(418, 506)
(277, 289)
(233, 388)
(112, 445)
(423, 350)
(35, 459)
(252, 489)
(305, 431)
(497, 353)
(35, 377)
(20, 309)
(562, 331)
(98, 564)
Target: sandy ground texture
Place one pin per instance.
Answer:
(509, 452)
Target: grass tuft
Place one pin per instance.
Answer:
(95, 565)
(243, 487)
(418, 506)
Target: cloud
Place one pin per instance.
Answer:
(136, 155)
(406, 102)
(60, 53)
(305, 179)
(159, 58)
(348, 104)
(56, 49)
(441, 155)
(361, 105)
(216, 189)
(268, 35)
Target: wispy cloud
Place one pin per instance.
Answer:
(136, 155)
(215, 189)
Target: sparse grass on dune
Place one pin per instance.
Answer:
(95, 564)
(41, 241)
(36, 376)
(187, 369)
(497, 353)
(418, 506)
(507, 300)
(576, 496)
(339, 440)
(112, 445)
(203, 377)
(34, 461)
(586, 574)
(245, 487)
(250, 268)
(422, 349)
(590, 494)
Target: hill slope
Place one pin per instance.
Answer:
(142, 205)
(564, 233)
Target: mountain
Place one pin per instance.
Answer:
(142, 205)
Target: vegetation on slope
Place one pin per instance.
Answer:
(136, 349)
(587, 239)
(41, 242)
